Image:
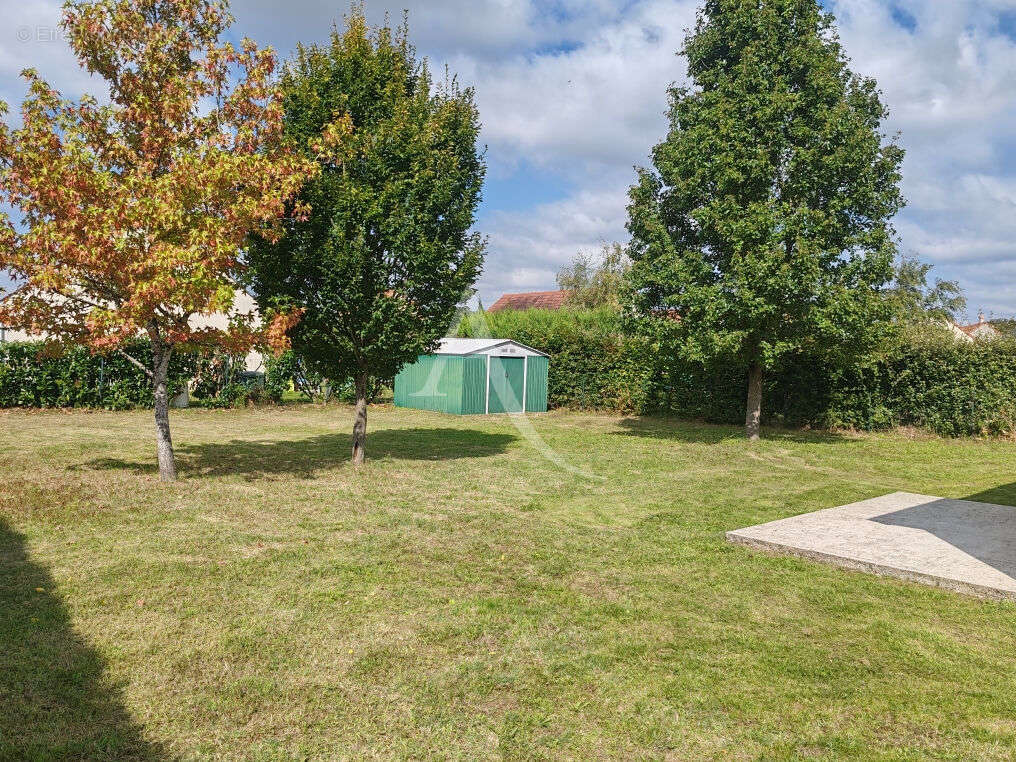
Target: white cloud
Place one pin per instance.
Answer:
(528, 248)
(951, 86)
(576, 89)
(32, 38)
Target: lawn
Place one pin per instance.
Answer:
(462, 596)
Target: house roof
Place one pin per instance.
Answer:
(544, 300)
(980, 328)
(482, 346)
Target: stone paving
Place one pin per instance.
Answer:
(955, 544)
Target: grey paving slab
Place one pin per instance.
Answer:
(956, 544)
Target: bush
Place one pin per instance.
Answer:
(287, 371)
(928, 379)
(593, 365)
(222, 380)
(31, 376)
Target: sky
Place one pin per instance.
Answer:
(572, 96)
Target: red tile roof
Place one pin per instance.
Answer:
(544, 300)
(971, 330)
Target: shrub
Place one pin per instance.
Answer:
(926, 379)
(32, 376)
(593, 365)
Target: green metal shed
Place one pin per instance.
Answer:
(476, 377)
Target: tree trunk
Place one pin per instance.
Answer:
(163, 440)
(360, 425)
(753, 416)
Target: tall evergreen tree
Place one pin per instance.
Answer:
(380, 262)
(764, 227)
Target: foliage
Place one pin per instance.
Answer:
(914, 299)
(287, 370)
(32, 375)
(88, 177)
(1006, 326)
(765, 223)
(133, 211)
(221, 380)
(384, 256)
(593, 364)
(928, 380)
(925, 378)
(593, 283)
(214, 372)
(246, 390)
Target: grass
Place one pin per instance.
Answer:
(463, 597)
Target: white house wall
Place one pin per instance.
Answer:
(243, 304)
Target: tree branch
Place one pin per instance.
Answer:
(147, 371)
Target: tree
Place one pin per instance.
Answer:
(764, 227)
(915, 300)
(380, 263)
(592, 283)
(133, 211)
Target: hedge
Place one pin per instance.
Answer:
(926, 380)
(32, 377)
(593, 366)
(930, 381)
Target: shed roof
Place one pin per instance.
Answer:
(480, 346)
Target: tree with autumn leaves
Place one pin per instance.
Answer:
(133, 210)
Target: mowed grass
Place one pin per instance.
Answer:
(464, 596)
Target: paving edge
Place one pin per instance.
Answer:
(881, 570)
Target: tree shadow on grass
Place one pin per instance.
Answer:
(54, 700)
(695, 432)
(1004, 494)
(984, 532)
(305, 457)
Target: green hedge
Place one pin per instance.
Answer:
(29, 377)
(928, 380)
(593, 366)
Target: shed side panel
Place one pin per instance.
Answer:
(433, 382)
(474, 385)
(536, 385)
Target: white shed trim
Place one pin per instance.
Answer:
(486, 404)
(525, 380)
(495, 347)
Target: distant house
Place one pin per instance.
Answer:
(979, 331)
(9, 334)
(543, 300)
(243, 305)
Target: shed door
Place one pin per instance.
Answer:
(507, 379)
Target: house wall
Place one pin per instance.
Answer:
(243, 305)
(9, 334)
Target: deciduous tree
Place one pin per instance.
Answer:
(382, 260)
(133, 208)
(764, 227)
(593, 283)
(916, 300)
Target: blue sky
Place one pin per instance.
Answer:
(572, 95)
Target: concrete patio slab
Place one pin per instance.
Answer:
(955, 544)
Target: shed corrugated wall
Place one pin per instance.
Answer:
(474, 385)
(458, 384)
(433, 382)
(536, 385)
